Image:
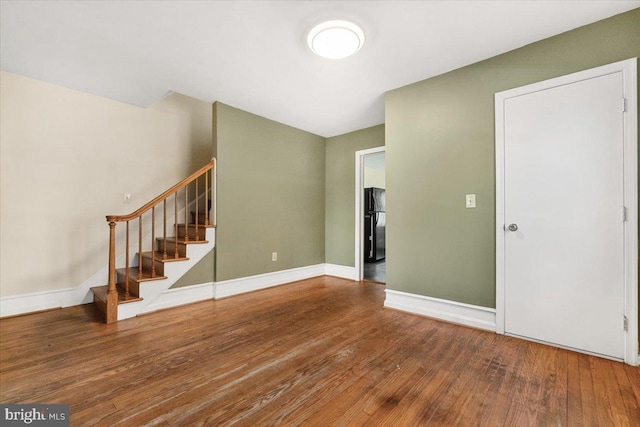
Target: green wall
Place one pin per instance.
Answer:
(271, 192)
(200, 273)
(440, 146)
(340, 191)
(313, 193)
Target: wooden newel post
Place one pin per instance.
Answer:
(112, 292)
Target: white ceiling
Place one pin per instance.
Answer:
(252, 54)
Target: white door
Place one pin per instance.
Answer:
(563, 190)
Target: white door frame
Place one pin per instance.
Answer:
(630, 79)
(360, 155)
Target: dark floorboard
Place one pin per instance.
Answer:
(375, 271)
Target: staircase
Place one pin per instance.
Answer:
(159, 261)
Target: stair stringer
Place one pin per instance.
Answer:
(150, 291)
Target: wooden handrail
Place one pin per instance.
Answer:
(161, 197)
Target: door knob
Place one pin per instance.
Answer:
(513, 227)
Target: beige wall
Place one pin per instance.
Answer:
(341, 195)
(271, 195)
(66, 158)
(440, 146)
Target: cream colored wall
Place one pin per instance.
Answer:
(66, 158)
(373, 178)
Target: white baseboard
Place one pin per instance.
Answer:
(451, 311)
(181, 296)
(227, 288)
(27, 303)
(340, 271)
(36, 301)
(216, 290)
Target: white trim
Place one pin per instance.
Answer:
(216, 290)
(227, 288)
(214, 191)
(500, 214)
(630, 76)
(359, 214)
(341, 271)
(157, 299)
(451, 311)
(35, 301)
(180, 296)
(566, 347)
(630, 80)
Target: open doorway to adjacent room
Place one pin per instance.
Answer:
(371, 215)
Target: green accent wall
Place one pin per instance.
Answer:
(440, 146)
(200, 273)
(328, 209)
(340, 191)
(271, 195)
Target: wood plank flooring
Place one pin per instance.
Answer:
(317, 352)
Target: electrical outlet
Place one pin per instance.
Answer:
(274, 256)
(126, 198)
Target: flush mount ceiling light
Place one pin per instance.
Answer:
(335, 39)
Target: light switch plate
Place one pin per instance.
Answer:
(470, 201)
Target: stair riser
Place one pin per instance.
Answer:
(134, 287)
(133, 290)
(146, 266)
(202, 232)
(171, 248)
(100, 305)
(201, 218)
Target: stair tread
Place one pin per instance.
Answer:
(181, 240)
(135, 275)
(100, 292)
(199, 225)
(159, 256)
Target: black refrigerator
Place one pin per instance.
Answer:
(374, 224)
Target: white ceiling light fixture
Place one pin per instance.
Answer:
(335, 39)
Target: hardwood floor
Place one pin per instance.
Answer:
(318, 352)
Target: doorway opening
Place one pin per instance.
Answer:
(370, 235)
